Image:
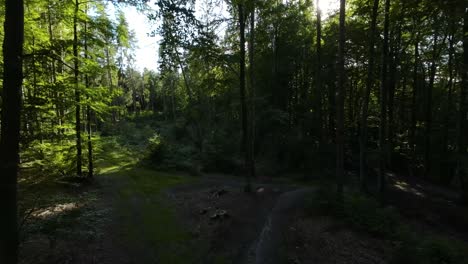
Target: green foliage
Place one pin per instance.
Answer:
(157, 148)
(163, 154)
(49, 158)
(367, 214)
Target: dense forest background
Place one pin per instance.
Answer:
(274, 88)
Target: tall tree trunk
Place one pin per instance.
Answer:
(10, 128)
(318, 76)
(428, 121)
(35, 114)
(462, 117)
(53, 77)
(77, 90)
(340, 95)
(412, 133)
(244, 138)
(109, 79)
(393, 82)
(446, 173)
(88, 110)
(448, 109)
(173, 86)
(164, 99)
(365, 106)
(252, 92)
(383, 106)
(152, 98)
(186, 82)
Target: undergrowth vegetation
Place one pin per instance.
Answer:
(366, 214)
(67, 217)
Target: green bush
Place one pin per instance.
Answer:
(157, 148)
(367, 214)
(163, 154)
(51, 158)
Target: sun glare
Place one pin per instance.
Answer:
(328, 6)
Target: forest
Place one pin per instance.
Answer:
(271, 132)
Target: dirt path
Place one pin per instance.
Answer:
(261, 219)
(250, 235)
(267, 248)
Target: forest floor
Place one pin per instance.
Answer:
(135, 214)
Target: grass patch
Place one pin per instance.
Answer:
(148, 217)
(111, 156)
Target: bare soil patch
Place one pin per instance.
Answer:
(224, 217)
(322, 239)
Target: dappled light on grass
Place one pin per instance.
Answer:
(54, 210)
(112, 156)
(404, 186)
(146, 219)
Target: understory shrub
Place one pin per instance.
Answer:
(361, 212)
(168, 155)
(366, 214)
(50, 158)
(157, 148)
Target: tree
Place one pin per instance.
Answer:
(245, 130)
(318, 76)
(462, 115)
(340, 95)
(430, 88)
(88, 108)
(76, 71)
(365, 105)
(412, 132)
(10, 128)
(383, 105)
(252, 91)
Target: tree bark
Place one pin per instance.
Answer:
(244, 137)
(77, 91)
(365, 106)
(10, 128)
(88, 110)
(318, 76)
(448, 109)
(392, 87)
(383, 106)
(252, 92)
(340, 95)
(428, 121)
(412, 133)
(462, 117)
